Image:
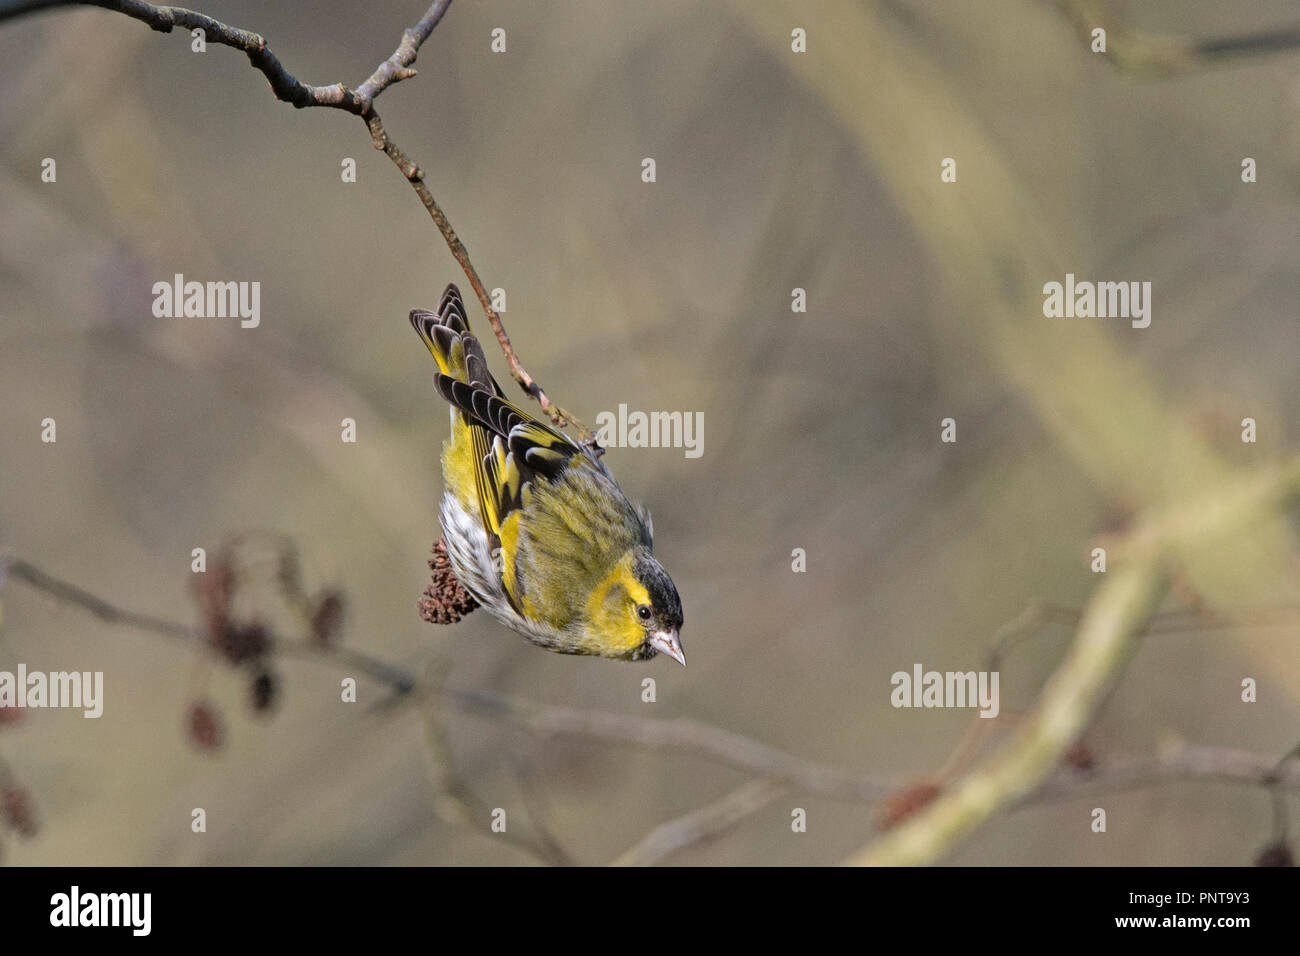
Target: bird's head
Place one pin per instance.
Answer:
(659, 612)
(637, 612)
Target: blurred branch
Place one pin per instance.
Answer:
(71, 594)
(656, 733)
(679, 734)
(401, 681)
(1181, 761)
(532, 790)
(1281, 819)
(994, 248)
(1024, 626)
(702, 825)
(359, 101)
(1114, 616)
(777, 771)
(455, 802)
(1036, 614)
(1133, 51)
(1120, 610)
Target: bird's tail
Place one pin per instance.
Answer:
(454, 347)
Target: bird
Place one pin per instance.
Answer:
(537, 529)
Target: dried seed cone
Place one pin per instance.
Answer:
(445, 600)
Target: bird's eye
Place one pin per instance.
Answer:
(643, 612)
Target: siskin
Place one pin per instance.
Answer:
(537, 529)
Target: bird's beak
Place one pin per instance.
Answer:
(667, 642)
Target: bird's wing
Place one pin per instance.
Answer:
(510, 447)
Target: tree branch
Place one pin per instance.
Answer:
(1148, 54)
(703, 824)
(68, 592)
(680, 735)
(1120, 610)
(358, 101)
(1181, 761)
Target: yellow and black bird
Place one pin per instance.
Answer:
(537, 529)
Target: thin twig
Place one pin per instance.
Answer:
(1182, 762)
(1023, 626)
(1179, 762)
(1147, 54)
(703, 824)
(680, 735)
(104, 610)
(532, 791)
(415, 176)
(456, 803)
(402, 681)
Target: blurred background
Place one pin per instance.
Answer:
(775, 170)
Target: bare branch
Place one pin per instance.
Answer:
(538, 807)
(1147, 54)
(415, 176)
(702, 825)
(397, 66)
(1179, 762)
(680, 735)
(456, 803)
(104, 610)
(400, 680)
(284, 85)
(359, 102)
